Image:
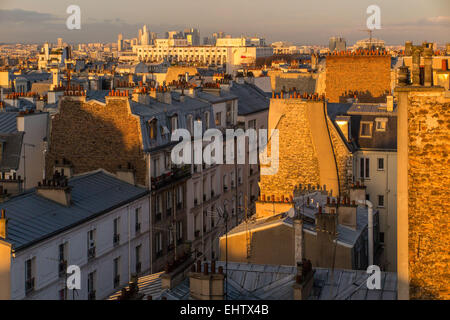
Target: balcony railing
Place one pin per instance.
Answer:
(175, 174)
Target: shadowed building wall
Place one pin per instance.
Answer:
(92, 135)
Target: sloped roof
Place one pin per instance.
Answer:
(8, 122)
(12, 147)
(32, 218)
(251, 99)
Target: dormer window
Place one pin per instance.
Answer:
(381, 124)
(152, 128)
(366, 129)
(174, 123)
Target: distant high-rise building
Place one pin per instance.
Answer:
(337, 43)
(192, 36)
(60, 42)
(120, 42)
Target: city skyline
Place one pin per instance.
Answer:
(296, 22)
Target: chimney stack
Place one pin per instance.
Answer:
(299, 247)
(206, 285)
(56, 190)
(428, 65)
(304, 280)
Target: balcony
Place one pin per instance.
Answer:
(175, 174)
(29, 285)
(91, 253)
(116, 239)
(91, 295)
(62, 268)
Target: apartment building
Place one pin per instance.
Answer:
(94, 221)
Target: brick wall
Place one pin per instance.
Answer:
(93, 136)
(367, 75)
(428, 196)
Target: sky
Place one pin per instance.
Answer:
(300, 22)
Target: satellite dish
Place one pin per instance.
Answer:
(291, 213)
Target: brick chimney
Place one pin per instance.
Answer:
(428, 65)
(304, 280)
(3, 225)
(56, 189)
(205, 285)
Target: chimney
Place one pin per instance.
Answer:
(416, 67)
(347, 213)
(65, 168)
(56, 190)
(428, 66)
(127, 174)
(390, 103)
(205, 285)
(299, 246)
(3, 225)
(357, 192)
(304, 280)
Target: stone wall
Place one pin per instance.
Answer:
(306, 153)
(366, 76)
(428, 195)
(303, 82)
(92, 135)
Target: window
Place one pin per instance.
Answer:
(158, 243)
(190, 124)
(138, 259)
(366, 129)
(174, 123)
(180, 197)
(252, 124)
(380, 163)
(91, 285)
(382, 237)
(229, 114)
(380, 124)
(116, 237)
(207, 120)
(91, 243)
(29, 275)
(179, 230)
(116, 271)
(219, 119)
(167, 162)
(381, 201)
(169, 200)
(152, 129)
(364, 168)
(62, 256)
(155, 168)
(137, 218)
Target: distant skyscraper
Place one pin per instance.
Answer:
(337, 43)
(120, 42)
(60, 42)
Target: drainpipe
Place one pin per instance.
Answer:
(370, 227)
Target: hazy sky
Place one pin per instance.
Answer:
(298, 21)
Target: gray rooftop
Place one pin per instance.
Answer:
(11, 150)
(32, 218)
(251, 98)
(273, 282)
(8, 122)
